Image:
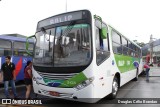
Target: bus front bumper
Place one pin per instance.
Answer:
(84, 95)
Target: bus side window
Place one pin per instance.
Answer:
(19, 48)
(136, 55)
(116, 42)
(5, 48)
(125, 46)
(129, 48)
(102, 47)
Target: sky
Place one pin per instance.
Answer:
(135, 19)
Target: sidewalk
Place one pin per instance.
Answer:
(154, 71)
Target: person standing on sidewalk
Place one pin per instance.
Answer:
(147, 68)
(8, 69)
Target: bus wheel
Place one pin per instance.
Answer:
(114, 88)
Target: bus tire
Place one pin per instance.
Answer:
(114, 88)
(136, 78)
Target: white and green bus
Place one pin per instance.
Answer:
(77, 56)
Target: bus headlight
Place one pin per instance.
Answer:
(84, 84)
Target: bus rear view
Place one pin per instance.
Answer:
(62, 58)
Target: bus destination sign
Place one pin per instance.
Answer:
(60, 18)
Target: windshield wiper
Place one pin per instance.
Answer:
(69, 28)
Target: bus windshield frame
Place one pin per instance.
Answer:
(57, 43)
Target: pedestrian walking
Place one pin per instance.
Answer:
(8, 71)
(147, 68)
(28, 79)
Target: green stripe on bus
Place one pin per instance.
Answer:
(125, 63)
(74, 81)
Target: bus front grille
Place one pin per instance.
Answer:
(56, 76)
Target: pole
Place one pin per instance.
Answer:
(151, 48)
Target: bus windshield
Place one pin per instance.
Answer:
(63, 46)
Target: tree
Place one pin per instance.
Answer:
(141, 44)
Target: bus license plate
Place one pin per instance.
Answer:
(53, 93)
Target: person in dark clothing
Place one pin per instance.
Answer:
(28, 79)
(8, 69)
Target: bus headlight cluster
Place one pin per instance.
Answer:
(34, 79)
(84, 84)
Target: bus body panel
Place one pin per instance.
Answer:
(103, 74)
(103, 79)
(130, 73)
(20, 63)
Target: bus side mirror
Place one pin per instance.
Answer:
(103, 33)
(27, 45)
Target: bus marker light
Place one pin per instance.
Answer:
(101, 78)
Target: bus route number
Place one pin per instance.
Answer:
(71, 82)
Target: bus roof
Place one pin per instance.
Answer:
(13, 38)
(125, 37)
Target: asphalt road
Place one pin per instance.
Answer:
(133, 89)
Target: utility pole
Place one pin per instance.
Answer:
(151, 49)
